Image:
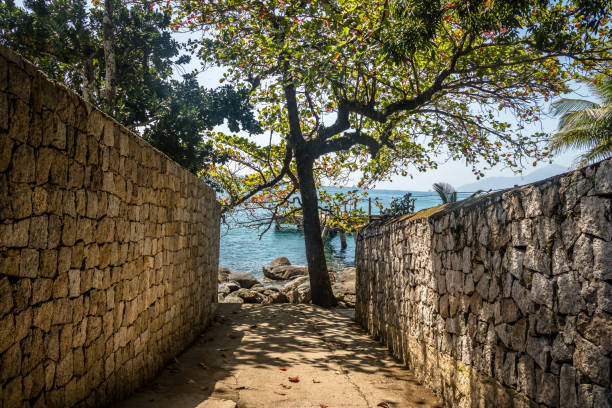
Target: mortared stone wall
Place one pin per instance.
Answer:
(108, 249)
(503, 300)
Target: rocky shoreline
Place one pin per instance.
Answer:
(292, 285)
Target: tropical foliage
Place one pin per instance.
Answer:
(586, 125)
(65, 39)
(388, 87)
(446, 192)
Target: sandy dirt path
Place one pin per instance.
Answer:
(281, 356)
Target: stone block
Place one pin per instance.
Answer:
(542, 290)
(19, 128)
(539, 349)
(69, 231)
(74, 282)
(15, 234)
(569, 297)
(6, 143)
(19, 83)
(567, 387)
(10, 363)
(12, 394)
(6, 296)
(592, 362)
(39, 227)
(28, 266)
(43, 315)
(523, 298)
(21, 202)
(593, 218)
(64, 370)
(60, 285)
(548, 388)
(63, 311)
(48, 264)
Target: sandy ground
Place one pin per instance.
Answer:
(250, 355)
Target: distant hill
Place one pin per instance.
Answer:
(495, 183)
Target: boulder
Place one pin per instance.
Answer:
(231, 299)
(223, 274)
(274, 297)
(284, 272)
(295, 283)
(280, 261)
(249, 296)
(344, 288)
(228, 287)
(301, 294)
(245, 280)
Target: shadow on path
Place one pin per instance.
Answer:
(248, 354)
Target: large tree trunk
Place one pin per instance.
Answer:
(109, 57)
(320, 284)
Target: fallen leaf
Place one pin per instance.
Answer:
(287, 387)
(323, 405)
(340, 372)
(283, 368)
(279, 393)
(190, 381)
(316, 381)
(383, 405)
(294, 379)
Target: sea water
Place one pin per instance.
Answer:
(242, 249)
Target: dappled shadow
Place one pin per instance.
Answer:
(250, 349)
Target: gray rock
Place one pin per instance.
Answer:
(548, 388)
(538, 348)
(295, 283)
(567, 387)
(249, 296)
(593, 219)
(280, 261)
(542, 290)
(232, 299)
(245, 280)
(228, 287)
(570, 301)
(223, 274)
(590, 361)
(561, 351)
(284, 272)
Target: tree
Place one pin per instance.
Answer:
(585, 124)
(446, 192)
(404, 82)
(120, 56)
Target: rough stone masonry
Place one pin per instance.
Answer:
(499, 301)
(108, 249)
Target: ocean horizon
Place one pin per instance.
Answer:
(242, 250)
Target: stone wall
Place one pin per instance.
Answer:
(108, 249)
(504, 300)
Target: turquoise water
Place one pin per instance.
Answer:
(243, 251)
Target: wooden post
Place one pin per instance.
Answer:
(342, 239)
(369, 206)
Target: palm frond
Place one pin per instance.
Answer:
(585, 125)
(446, 192)
(582, 117)
(567, 105)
